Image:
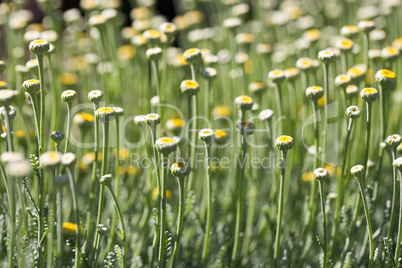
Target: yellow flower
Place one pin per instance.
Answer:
(126, 51)
(308, 176)
(222, 110)
(70, 228)
(321, 101)
(68, 79)
(193, 17)
(312, 35)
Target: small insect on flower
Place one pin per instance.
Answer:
(394, 140)
(345, 45)
(153, 119)
(154, 54)
(189, 87)
(68, 160)
(291, 74)
(386, 78)
(366, 26)
(245, 128)
(314, 93)
(398, 163)
(357, 171)
(7, 157)
(7, 97)
(304, 64)
(276, 76)
(68, 96)
(180, 169)
(369, 94)
(266, 115)
(284, 143)
(353, 112)
(31, 86)
(57, 136)
(326, 56)
(343, 80)
(105, 114)
(206, 135)
(321, 174)
(244, 102)
(175, 125)
(192, 55)
(209, 73)
(357, 73)
(390, 54)
(50, 159)
(39, 47)
(165, 145)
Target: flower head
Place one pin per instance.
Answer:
(7, 97)
(369, 94)
(96, 21)
(304, 64)
(31, 86)
(344, 44)
(68, 160)
(153, 119)
(291, 73)
(105, 114)
(69, 96)
(206, 135)
(321, 174)
(192, 55)
(366, 26)
(386, 78)
(244, 102)
(175, 125)
(220, 136)
(118, 111)
(152, 36)
(394, 140)
(165, 145)
(326, 56)
(106, 179)
(189, 87)
(95, 96)
(101, 229)
(51, 159)
(357, 171)
(154, 54)
(209, 73)
(140, 119)
(352, 91)
(231, 23)
(245, 128)
(257, 87)
(222, 110)
(314, 93)
(398, 163)
(312, 35)
(39, 47)
(284, 143)
(19, 168)
(70, 228)
(180, 169)
(168, 28)
(374, 54)
(7, 157)
(276, 76)
(343, 80)
(389, 54)
(57, 136)
(350, 31)
(353, 112)
(266, 115)
(357, 73)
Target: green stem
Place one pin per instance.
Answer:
(278, 95)
(11, 242)
(42, 103)
(68, 128)
(324, 222)
(77, 216)
(209, 207)
(369, 228)
(326, 81)
(161, 257)
(10, 144)
(368, 135)
(366, 42)
(181, 183)
(60, 223)
(193, 142)
(36, 116)
(280, 210)
(398, 244)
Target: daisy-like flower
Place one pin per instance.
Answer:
(326, 56)
(7, 97)
(39, 47)
(51, 159)
(377, 35)
(244, 39)
(312, 35)
(96, 21)
(357, 73)
(68, 160)
(345, 45)
(353, 112)
(70, 228)
(165, 145)
(138, 40)
(12, 112)
(350, 31)
(31, 86)
(192, 55)
(366, 26)
(175, 125)
(180, 169)
(211, 59)
(369, 94)
(374, 54)
(7, 157)
(57, 136)
(386, 78)
(105, 114)
(264, 49)
(357, 171)
(220, 136)
(314, 93)
(118, 111)
(18, 169)
(168, 28)
(206, 135)
(352, 91)
(140, 119)
(69, 96)
(257, 87)
(155, 101)
(291, 73)
(244, 102)
(276, 76)
(101, 229)
(321, 174)
(266, 115)
(284, 143)
(209, 73)
(231, 23)
(394, 140)
(153, 119)
(154, 54)
(106, 179)
(245, 128)
(222, 111)
(343, 80)
(398, 163)
(32, 65)
(83, 120)
(152, 36)
(397, 43)
(304, 64)
(189, 87)
(241, 57)
(390, 54)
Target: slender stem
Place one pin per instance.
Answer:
(123, 228)
(280, 210)
(278, 95)
(366, 42)
(193, 142)
(161, 257)
(60, 223)
(398, 244)
(77, 216)
(36, 116)
(368, 135)
(181, 183)
(369, 228)
(209, 207)
(10, 144)
(11, 242)
(324, 222)
(68, 128)
(326, 93)
(42, 103)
